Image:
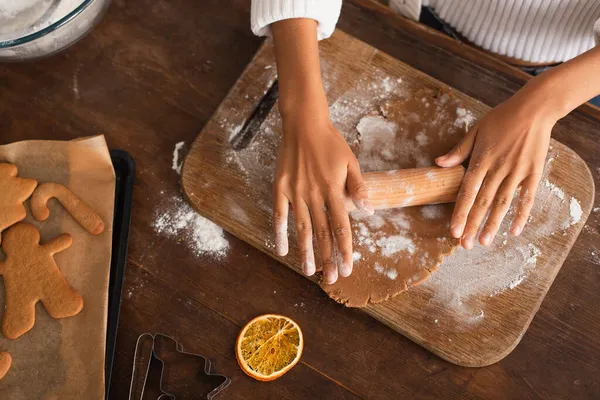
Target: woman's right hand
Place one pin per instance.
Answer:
(316, 171)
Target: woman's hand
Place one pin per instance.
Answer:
(316, 170)
(508, 149)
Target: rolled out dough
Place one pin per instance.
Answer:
(397, 249)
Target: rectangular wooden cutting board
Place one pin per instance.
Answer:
(475, 309)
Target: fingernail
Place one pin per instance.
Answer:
(516, 231)
(345, 270)
(281, 246)
(457, 230)
(364, 206)
(486, 238)
(468, 242)
(329, 277)
(309, 268)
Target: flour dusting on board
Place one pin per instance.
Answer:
(177, 219)
(575, 211)
(469, 273)
(466, 278)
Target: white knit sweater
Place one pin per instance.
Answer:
(537, 31)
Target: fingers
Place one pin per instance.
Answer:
(526, 199)
(480, 207)
(340, 226)
(500, 207)
(324, 238)
(358, 190)
(460, 152)
(304, 236)
(280, 222)
(465, 199)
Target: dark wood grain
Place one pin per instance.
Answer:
(151, 75)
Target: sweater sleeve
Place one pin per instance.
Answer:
(411, 9)
(266, 12)
(597, 32)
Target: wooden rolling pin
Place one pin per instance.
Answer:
(411, 187)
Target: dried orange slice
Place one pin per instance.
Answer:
(269, 346)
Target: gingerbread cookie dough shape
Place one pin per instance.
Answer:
(31, 275)
(82, 213)
(13, 192)
(398, 249)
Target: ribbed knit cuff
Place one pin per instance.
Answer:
(266, 12)
(409, 8)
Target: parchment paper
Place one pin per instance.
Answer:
(64, 359)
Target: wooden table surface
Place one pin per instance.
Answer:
(150, 75)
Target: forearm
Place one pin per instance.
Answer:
(300, 84)
(557, 92)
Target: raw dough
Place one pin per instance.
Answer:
(397, 249)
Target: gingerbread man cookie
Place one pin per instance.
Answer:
(13, 192)
(5, 362)
(31, 275)
(82, 213)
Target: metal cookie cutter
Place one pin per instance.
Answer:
(161, 348)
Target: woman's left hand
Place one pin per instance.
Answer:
(508, 149)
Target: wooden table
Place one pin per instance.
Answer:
(150, 75)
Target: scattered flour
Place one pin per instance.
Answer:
(368, 232)
(558, 192)
(423, 161)
(388, 84)
(393, 244)
(76, 86)
(468, 273)
(431, 176)
(356, 256)
(464, 118)
(390, 273)
(234, 130)
(396, 218)
(375, 221)
(422, 138)
(575, 211)
(178, 219)
(176, 166)
(432, 212)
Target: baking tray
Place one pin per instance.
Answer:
(125, 174)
